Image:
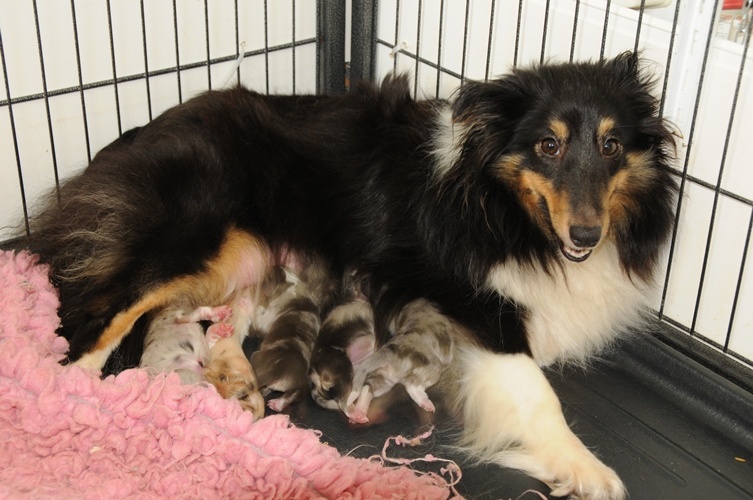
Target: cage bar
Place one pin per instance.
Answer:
(686, 165)
(46, 96)
(14, 135)
(81, 82)
(116, 94)
(331, 46)
(717, 193)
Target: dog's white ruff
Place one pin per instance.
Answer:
(574, 309)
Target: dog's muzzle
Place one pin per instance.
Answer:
(575, 254)
(583, 239)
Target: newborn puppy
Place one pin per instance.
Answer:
(345, 339)
(287, 320)
(416, 355)
(176, 341)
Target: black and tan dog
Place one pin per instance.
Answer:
(531, 209)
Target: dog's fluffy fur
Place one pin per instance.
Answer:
(531, 209)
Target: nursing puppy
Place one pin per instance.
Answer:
(415, 357)
(287, 320)
(347, 337)
(531, 209)
(176, 341)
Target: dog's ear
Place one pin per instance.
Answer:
(506, 97)
(489, 112)
(625, 63)
(394, 93)
(638, 88)
(627, 68)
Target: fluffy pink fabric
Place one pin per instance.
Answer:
(64, 433)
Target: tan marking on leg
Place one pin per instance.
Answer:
(241, 261)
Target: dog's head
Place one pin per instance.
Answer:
(581, 147)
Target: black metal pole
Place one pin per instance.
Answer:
(362, 41)
(331, 46)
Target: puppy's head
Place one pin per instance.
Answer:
(346, 338)
(331, 376)
(582, 149)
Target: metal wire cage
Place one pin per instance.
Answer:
(77, 74)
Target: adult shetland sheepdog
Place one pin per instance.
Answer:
(531, 209)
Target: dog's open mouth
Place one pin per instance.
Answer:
(575, 254)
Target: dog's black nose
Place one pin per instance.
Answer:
(585, 236)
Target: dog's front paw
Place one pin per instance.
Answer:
(585, 477)
(236, 380)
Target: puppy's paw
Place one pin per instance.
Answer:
(235, 379)
(357, 405)
(219, 331)
(204, 313)
(277, 404)
(220, 313)
(418, 395)
(286, 399)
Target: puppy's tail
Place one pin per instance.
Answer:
(512, 417)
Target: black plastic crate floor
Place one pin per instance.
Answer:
(663, 441)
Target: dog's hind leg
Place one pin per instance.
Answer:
(512, 417)
(121, 325)
(229, 370)
(239, 263)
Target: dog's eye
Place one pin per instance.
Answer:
(549, 146)
(611, 147)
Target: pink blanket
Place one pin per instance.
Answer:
(64, 433)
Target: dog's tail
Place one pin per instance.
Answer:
(79, 228)
(512, 417)
(86, 232)
(109, 235)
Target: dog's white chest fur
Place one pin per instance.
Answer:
(576, 309)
